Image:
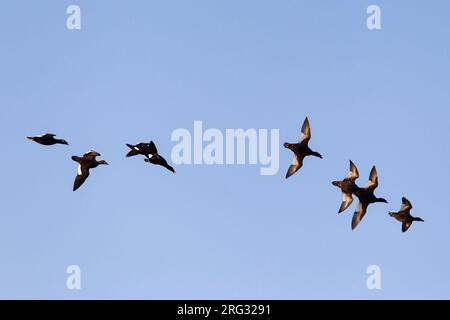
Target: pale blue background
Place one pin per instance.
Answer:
(140, 69)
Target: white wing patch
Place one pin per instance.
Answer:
(346, 197)
(369, 184)
(352, 175)
(80, 172)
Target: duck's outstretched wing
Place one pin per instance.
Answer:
(134, 150)
(297, 163)
(359, 214)
(353, 173)
(47, 135)
(347, 200)
(372, 184)
(406, 225)
(82, 175)
(305, 132)
(406, 205)
(152, 148)
(91, 155)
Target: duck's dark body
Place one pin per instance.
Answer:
(366, 197)
(47, 139)
(87, 162)
(301, 149)
(348, 187)
(404, 215)
(154, 158)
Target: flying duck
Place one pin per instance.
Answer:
(47, 139)
(348, 187)
(301, 149)
(366, 196)
(85, 163)
(404, 216)
(154, 158)
(140, 148)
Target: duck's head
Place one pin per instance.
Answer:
(103, 162)
(62, 141)
(287, 145)
(382, 200)
(336, 183)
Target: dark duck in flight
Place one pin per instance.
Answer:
(301, 149)
(366, 196)
(85, 163)
(404, 216)
(140, 148)
(348, 187)
(154, 158)
(47, 139)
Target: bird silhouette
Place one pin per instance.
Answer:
(366, 196)
(47, 139)
(85, 163)
(301, 149)
(348, 187)
(404, 216)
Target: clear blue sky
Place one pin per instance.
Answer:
(137, 70)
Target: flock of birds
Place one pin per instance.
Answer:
(89, 159)
(301, 149)
(348, 185)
